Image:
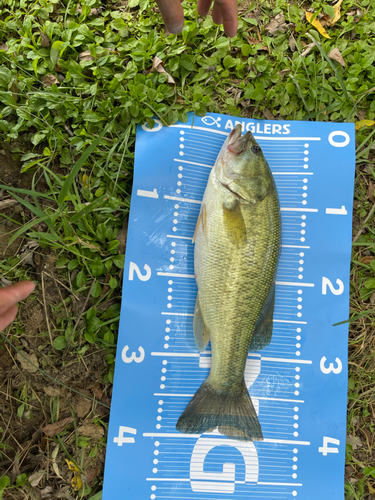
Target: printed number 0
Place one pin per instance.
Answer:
(338, 133)
(336, 291)
(133, 357)
(134, 268)
(330, 368)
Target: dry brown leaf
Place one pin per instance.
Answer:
(53, 429)
(372, 298)
(292, 43)
(367, 259)
(355, 441)
(268, 115)
(86, 56)
(25, 365)
(35, 478)
(251, 40)
(277, 24)
(81, 406)
(122, 236)
(91, 474)
(317, 24)
(96, 390)
(283, 72)
(52, 392)
(308, 49)
(45, 41)
(91, 430)
(46, 492)
(256, 41)
(7, 203)
(159, 67)
(335, 54)
(370, 192)
(49, 80)
(3, 46)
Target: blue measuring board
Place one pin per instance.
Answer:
(298, 384)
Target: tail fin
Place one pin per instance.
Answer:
(232, 411)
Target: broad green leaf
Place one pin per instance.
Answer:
(35, 66)
(96, 290)
(59, 343)
(81, 279)
(55, 51)
(113, 282)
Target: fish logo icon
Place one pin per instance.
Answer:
(210, 120)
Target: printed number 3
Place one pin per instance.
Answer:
(133, 357)
(330, 368)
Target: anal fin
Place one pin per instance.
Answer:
(201, 332)
(262, 334)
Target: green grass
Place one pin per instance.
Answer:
(75, 139)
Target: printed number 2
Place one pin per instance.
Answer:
(325, 449)
(330, 368)
(121, 439)
(133, 268)
(326, 282)
(133, 356)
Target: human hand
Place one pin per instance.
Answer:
(9, 296)
(224, 12)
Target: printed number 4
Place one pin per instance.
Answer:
(325, 449)
(121, 439)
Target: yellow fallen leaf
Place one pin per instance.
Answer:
(363, 123)
(85, 179)
(316, 23)
(337, 10)
(76, 479)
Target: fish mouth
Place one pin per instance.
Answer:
(237, 143)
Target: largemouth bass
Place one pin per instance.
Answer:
(237, 246)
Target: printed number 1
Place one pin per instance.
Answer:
(325, 449)
(148, 194)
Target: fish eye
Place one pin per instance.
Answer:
(256, 149)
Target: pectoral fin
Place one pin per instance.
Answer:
(262, 334)
(201, 332)
(234, 222)
(202, 221)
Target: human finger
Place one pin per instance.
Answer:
(203, 7)
(172, 14)
(9, 316)
(10, 295)
(224, 12)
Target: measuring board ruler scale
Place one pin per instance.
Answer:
(298, 384)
